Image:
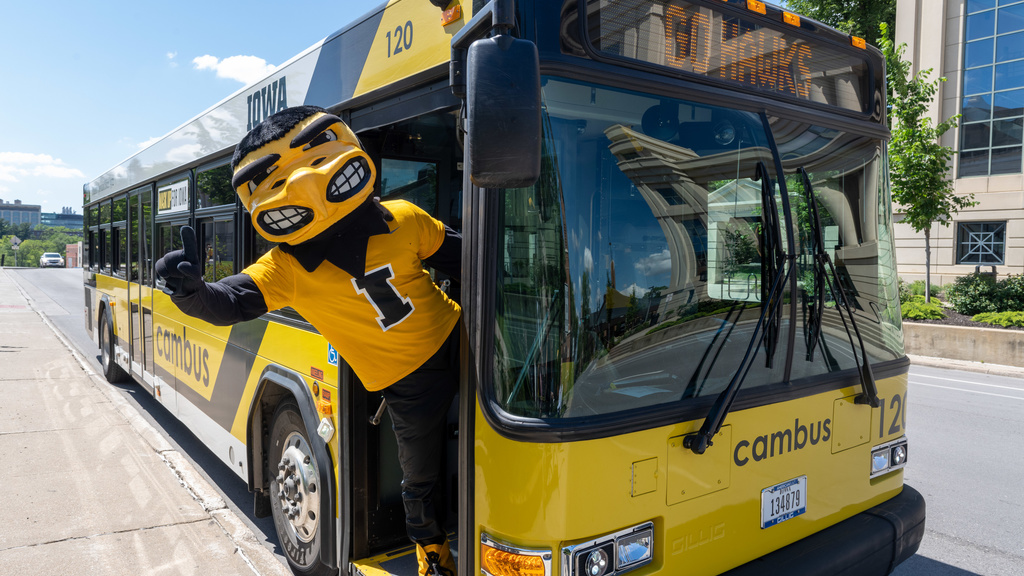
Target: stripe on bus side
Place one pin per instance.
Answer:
(232, 374)
(340, 63)
(409, 39)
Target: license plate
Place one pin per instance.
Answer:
(783, 501)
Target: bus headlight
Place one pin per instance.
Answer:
(611, 554)
(596, 563)
(888, 457)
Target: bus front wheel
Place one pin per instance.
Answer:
(295, 491)
(111, 371)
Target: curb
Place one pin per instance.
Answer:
(967, 366)
(253, 553)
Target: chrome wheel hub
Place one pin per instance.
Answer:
(297, 487)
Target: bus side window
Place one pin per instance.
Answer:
(133, 238)
(119, 243)
(260, 245)
(146, 234)
(206, 252)
(412, 180)
(88, 259)
(224, 250)
(217, 249)
(168, 238)
(105, 250)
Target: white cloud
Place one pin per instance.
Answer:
(54, 171)
(16, 165)
(245, 69)
(7, 158)
(149, 142)
(171, 55)
(640, 292)
(659, 263)
(184, 153)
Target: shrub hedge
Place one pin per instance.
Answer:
(973, 294)
(1004, 319)
(920, 310)
(917, 288)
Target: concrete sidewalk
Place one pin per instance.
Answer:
(88, 486)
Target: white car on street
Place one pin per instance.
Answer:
(51, 259)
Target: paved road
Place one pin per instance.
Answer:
(58, 293)
(966, 430)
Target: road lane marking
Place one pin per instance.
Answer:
(969, 382)
(966, 390)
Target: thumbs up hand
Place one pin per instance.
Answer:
(181, 269)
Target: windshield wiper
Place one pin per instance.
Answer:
(692, 389)
(767, 328)
(775, 258)
(822, 267)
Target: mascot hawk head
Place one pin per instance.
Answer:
(299, 172)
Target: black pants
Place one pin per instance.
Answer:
(418, 405)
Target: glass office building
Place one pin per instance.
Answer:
(978, 46)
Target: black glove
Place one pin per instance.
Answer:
(181, 269)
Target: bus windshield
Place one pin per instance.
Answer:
(633, 273)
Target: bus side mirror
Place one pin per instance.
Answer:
(503, 112)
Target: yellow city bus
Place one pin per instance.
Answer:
(681, 341)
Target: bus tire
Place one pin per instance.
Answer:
(111, 371)
(294, 491)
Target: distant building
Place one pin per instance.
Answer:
(67, 218)
(18, 213)
(978, 45)
(72, 254)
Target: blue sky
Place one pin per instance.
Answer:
(84, 84)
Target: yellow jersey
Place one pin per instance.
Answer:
(385, 324)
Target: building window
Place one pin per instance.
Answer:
(992, 126)
(980, 242)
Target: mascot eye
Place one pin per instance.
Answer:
(259, 178)
(321, 138)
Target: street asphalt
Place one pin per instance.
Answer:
(89, 487)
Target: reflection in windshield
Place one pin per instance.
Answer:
(847, 176)
(633, 272)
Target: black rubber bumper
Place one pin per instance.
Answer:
(871, 543)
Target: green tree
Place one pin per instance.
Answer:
(918, 164)
(856, 17)
(633, 311)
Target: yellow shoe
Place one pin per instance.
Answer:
(435, 560)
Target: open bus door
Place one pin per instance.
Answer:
(418, 160)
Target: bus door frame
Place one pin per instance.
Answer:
(147, 244)
(120, 251)
(140, 283)
(175, 220)
(135, 223)
(358, 443)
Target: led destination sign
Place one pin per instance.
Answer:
(701, 40)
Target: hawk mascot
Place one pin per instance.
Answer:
(352, 267)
